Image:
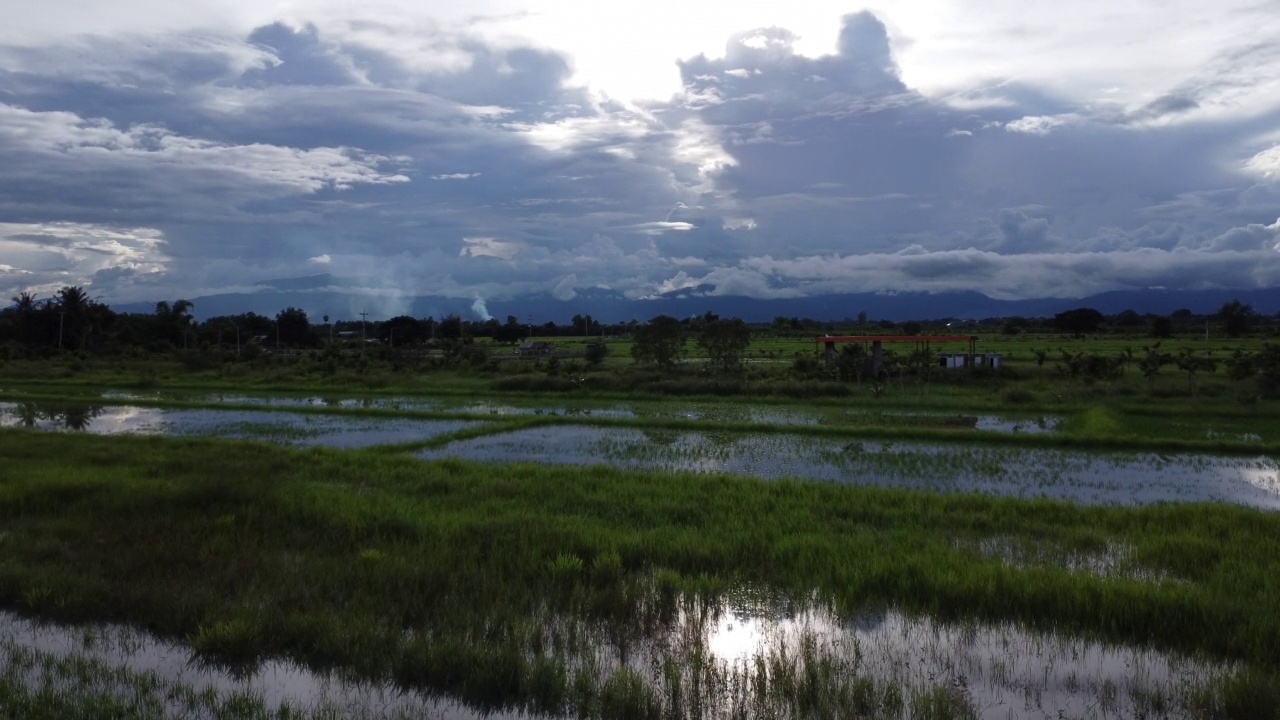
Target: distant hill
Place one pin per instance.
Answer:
(316, 295)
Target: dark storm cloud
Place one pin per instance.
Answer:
(1020, 233)
(303, 145)
(961, 173)
(434, 162)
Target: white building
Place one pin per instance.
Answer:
(961, 360)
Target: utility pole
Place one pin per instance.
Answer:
(363, 315)
(62, 315)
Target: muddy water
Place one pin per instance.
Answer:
(1094, 478)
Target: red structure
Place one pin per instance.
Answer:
(874, 363)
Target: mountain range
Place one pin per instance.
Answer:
(321, 295)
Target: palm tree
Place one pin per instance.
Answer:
(24, 302)
(72, 305)
(26, 306)
(174, 320)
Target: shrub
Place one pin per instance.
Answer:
(1018, 396)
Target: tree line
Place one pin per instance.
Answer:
(70, 320)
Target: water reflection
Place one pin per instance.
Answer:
(126, 653)
(288, 428)
(51, 417)
(997, 671)
(1094, 478)
(752, 655)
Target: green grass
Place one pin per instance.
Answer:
(449, 575)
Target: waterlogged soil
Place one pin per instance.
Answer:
(999, 671)
(709, 411)
(726, 649)
(177, 668)
(1084, 477)
(339, 431)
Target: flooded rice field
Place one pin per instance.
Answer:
(712, 411)
(1076, 475)
(744, 655)
(121, 661)
(339, 431)
(1094, 478)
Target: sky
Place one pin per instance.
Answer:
(495, 149)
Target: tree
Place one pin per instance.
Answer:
(1150, 363)
(1191, 364)
(1236, 318)
(1161, 327)
(1128, 318)
(402, 329)
(1267, 364)
(72, 304)
(659, 342)
(921, 362)
(511, 331)
(173, 322)
(596, 352)
(26, 306)
(450, 327)
(584, 324)
(1078, 322)
(1240, 365)
(724, 342)
(293, 327)
(851, 362)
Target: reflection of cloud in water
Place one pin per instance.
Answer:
(1079, 476)
(276, 682)
(1003, 670)
(291, 428)
(100, 420)
(1266, 478)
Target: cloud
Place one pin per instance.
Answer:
(488, 247)
(410, 156)
(112, 260)
(656, 227)
(564, 290)
(1021, 233)
(1265, 164)
(1250, 237)
(1058, 275)
(1035, 125)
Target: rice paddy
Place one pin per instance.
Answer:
(747, 655)
(250, 555)
(1082, 477)
(288, 428)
